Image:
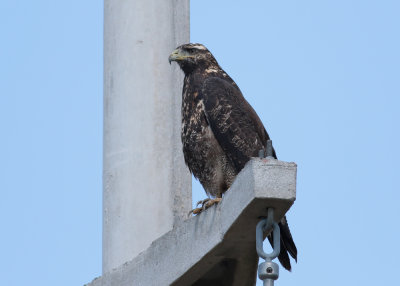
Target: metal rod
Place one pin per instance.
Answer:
(269, 148)
(268, 282)
(270, 219)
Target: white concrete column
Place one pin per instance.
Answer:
(146, 186)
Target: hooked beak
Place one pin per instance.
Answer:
(176, 55)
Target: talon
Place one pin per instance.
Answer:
(206, 203)
(210, 203)
(202, 202)
(197, 211)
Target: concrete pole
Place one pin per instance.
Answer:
(146, 186)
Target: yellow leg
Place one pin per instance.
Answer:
(205, 204)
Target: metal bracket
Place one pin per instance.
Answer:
(268, 271)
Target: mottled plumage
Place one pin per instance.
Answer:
(220, 130)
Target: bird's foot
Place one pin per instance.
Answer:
(205, 204)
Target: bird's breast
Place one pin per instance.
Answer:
(202, 152)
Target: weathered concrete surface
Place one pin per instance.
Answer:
(146, 185)
(216, 247)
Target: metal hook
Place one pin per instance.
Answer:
(265, 225)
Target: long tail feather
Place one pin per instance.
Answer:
(287, 245)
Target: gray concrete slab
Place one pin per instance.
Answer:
(216, 247)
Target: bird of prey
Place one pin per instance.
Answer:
(220, 130)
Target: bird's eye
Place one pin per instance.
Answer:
(190, 50)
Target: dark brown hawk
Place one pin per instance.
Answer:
(220, 130)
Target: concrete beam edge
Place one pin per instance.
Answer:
(205, 231)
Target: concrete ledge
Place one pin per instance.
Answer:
(216, 247)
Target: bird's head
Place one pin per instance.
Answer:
(192, 56)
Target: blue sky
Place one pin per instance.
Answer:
(322, 75)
